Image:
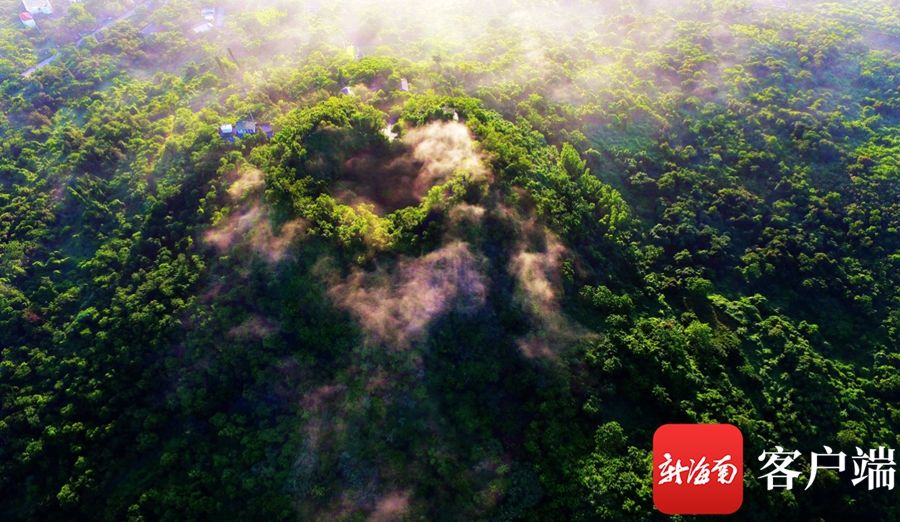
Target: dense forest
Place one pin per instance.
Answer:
(483, 254)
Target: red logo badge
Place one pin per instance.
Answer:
(698, 469)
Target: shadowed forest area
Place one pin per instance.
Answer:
(300, 260)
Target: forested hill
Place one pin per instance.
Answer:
(484, 252)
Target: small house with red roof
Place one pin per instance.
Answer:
(27, 20)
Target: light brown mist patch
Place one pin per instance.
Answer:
(538, 276)
(431, 155)
(444, 149)
(539, 287)
(255, 327)
(249, 180)
(316, 400)
(391, 506)
(397, 306)
(249, 226)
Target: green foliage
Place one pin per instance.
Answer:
(689, 216)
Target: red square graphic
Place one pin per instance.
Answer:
(698, 469)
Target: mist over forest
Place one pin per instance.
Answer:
(404, 260)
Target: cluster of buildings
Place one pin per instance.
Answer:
(212, 17)
(244, 128)
(32, 8)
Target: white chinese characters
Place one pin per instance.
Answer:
(780, 476)
(876, 467)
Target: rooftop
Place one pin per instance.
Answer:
(202, 28)
(38, 6)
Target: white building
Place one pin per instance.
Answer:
(205, 27)
(38, 6)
